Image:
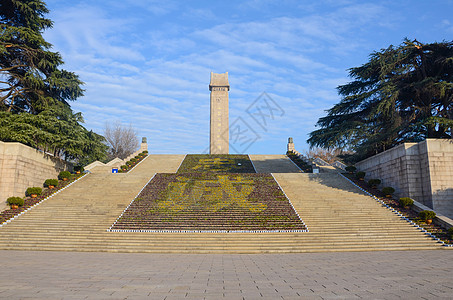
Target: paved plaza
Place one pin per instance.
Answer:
(341, 275)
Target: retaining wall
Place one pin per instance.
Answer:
(22, 166)
(422, 171)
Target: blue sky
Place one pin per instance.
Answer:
(147, 63)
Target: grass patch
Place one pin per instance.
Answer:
(217, 163)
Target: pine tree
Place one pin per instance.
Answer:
(402, 94)
(34, 92)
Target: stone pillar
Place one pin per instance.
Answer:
(144, 145)
(219, 135)
(290, 146)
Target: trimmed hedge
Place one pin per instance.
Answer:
(53, 182)
(360, 175)
(64, 174)
(406, 201)
(15, 201)
(33, 191)
(426, 215)
(374, 182)
(388, 190)
(350, 169)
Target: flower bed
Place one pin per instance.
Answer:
(409, 213)
(133, 162)
(219, 163)
(210, 201)
(29, 201)
(299, 162)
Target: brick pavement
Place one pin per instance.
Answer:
(349, 275)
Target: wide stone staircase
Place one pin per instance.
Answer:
(339, 216)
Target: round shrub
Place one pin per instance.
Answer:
(374, 182)
(426, 215)
(350, 169)
(64, 174)
(137, 156)
(124, 167)
(360, 175)
(49, 182)
(33, 191)
(388, 190)
(146, 152)
(15, 201)
(133, 160)
(406, 201)
(78, 169)
(129, 163)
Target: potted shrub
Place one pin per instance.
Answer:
(388, 191)
(374, 183)
(78, 169)
(64, 175)
(406, 202)
(427, 216)
(51, 183)
(15, 202)
(350, 169)
(34, 191)
(360, 175)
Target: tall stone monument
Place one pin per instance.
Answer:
(219, 135)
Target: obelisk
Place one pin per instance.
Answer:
(219, 137)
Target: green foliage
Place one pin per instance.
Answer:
(350, 169)
(33, 81)
(129, 163)
(124, 167)
(33, 191)
(145, 152)
(388, 190)
(406, 201)
(79, 168)
(402, 94)
(374, 182)
(64, 174)
(360, 175)
(49, 182)
(34, 92)
(133, 159)
(426, 215)
(15, 201)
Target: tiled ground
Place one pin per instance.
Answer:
(369, 275)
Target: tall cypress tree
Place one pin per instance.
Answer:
(402, 94)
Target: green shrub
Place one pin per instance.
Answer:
(53, 182)
(15, 201)
(388, 190)
(124, 167)
(137, 156)
(406, 201)
(450, 233)
(34, 191)
(374, 182)
(350, 169)
(426, 215)
(64, 174)
(146, 152)
(133, 160)
(360, 175)
(129, 163)
(78, 169)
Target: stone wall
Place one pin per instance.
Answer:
(422, 171)
(22, 167)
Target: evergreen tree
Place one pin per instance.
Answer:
(402, 94)
(34, 92)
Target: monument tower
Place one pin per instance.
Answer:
(219, 136)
